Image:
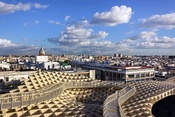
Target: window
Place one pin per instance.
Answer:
(142, 75)
(7, 79)
(131, 76)
(137, 75)
(114, 74)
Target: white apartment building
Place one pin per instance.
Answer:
(50, 65)
(127, 73)
(4, 65)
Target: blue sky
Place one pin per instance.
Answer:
(102, 27)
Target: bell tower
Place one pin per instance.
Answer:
(41, 52)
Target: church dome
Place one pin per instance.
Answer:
(41, 52)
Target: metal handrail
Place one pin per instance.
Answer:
(27, 98)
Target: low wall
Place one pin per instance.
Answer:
(13, 73)
(128, 92)
(21, 99)
(112, 105)
(124, 95)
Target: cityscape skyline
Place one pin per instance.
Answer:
(127, 27)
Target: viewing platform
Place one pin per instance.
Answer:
(57, 94)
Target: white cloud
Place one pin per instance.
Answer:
(93, 47)
(147, 43)
(149, 40)
(26, 24)
(7, 47)
(11, 8)
(116, 15)
(6, 43)
(144, 34)
(157, 43)
(54, 22)
(66, 18)
(77, 35)
(142, 43)
(81, 23)
(159, 21)
(80, 40)
(39, 6)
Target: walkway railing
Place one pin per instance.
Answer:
(112, 105)
(113, 108)
(12, 73)
(14, 100)
(124, 95)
